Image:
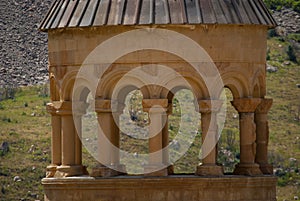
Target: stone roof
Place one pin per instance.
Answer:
(87, 13)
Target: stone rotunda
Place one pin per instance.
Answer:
(108, 48)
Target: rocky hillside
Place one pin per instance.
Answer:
(288, 21)
(23, 49)
(23, 57)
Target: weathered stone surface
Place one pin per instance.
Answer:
(172, 188)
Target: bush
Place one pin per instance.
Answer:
(272, 33)
(291, 54)
(8, 92)
(279, 4)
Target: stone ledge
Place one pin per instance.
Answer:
(171, 188)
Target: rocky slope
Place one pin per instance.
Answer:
(288, 21)
(23, 58)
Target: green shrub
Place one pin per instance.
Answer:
(291, 54)
(279, 4)
(272, 33)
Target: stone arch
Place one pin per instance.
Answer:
(258, 85)
(237, 83)
(107, 86)
(83, 87)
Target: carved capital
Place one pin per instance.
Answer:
(246, 105)
(103, 106)
(65, 108)
(264, 106)
(154, 105)
(210, 106)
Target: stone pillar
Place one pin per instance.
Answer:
(108, 142)
(165, 140)
(262, 136)
(246, 108)
(68, 165)
(157, 109)
(77, 117)
(209, 110)
(55, 140)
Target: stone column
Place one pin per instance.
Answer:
(68, 165)
(55, 140)
(77, 117)
(157, 109)
(262, 136)
(165, 140)
(108, 142)
(246, 108)
(209, 110)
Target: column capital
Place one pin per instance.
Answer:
(210, 106)
(264, 106)
(246, 105)
(155, 105)
(52, 107)
(65, 108)
(106, 105)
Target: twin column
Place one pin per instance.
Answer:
(108, 113)
(66, 144)
(253, 136)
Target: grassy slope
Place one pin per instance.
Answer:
(284, 119)
(24, 122)
(23, 127)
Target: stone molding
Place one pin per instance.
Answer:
(264, 106)
(154, 103)
(246, 105)
(105, 105)
(210, 106)
(65, 108)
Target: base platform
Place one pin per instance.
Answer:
(170, 188)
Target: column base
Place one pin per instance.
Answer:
(266, 168)
(155, 171)
(51, 170)
(247, 169)
(108, 171)
(70, 170)
(209, 170)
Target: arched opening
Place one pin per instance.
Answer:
(133, 124)
(89, 136)
(184, 132)
(228, 145)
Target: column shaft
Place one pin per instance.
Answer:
(246, 108)
(262, 136)
(247, 138)
(68, 140)
(56, 140)
(157, 109)
(155, 138)
(108, 142)
(209, 126)
(78, 144)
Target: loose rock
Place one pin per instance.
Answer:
(271, 69)
(17, 179)
(4, 147)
